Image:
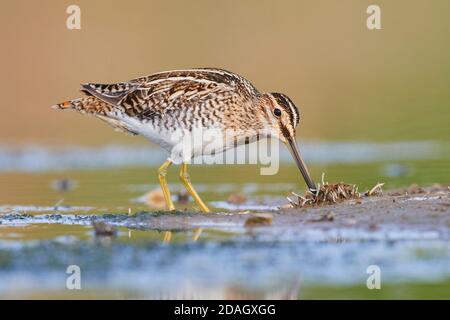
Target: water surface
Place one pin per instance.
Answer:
(43, 230)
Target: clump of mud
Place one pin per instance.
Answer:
(261, 219)
(331, 193)
(103, 229)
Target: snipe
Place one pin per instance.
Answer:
(166, 106)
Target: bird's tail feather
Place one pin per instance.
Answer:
(84, 105)
(71, 104)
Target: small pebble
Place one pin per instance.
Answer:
(259, 220)
(103, 230)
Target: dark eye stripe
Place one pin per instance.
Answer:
(284, 131)
(286, 103)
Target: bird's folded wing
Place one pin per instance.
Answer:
(145, 100)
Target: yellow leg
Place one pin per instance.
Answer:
(197, 233)
(162, 171)
(184, 177)
(167, 236)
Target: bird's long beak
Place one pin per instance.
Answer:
(292, 145)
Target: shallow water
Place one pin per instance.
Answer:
(43, 230)
(225, 259)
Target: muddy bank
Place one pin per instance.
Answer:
(424, 210)
(263, 253)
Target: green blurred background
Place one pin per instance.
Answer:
(350, 83)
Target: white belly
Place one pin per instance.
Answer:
(183, 145)
(157, 135)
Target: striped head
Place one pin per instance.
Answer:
(283, 114)
(284, 118)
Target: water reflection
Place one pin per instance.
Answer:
(153, 254)
(207, 262)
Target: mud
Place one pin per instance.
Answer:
(428, 210)
(279, 253)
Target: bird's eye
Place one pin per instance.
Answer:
(277, 112)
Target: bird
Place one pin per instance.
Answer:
(166, 107)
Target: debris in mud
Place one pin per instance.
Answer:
(237, 198)
(259, 220)
(103, 230)
(375, 191)
(332, 193)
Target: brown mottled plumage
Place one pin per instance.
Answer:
(162, 104)
(200, 94)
